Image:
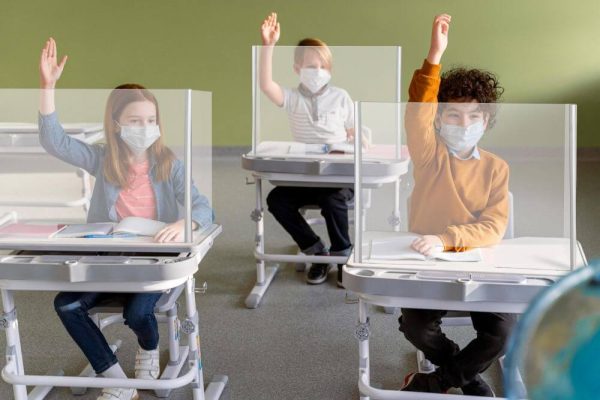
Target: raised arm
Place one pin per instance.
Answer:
(50, 72)
(52, 135)
(270, 31)
(423, 89)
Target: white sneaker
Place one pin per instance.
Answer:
(118, 394)
(147, 364)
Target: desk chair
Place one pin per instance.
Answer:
(166, 308)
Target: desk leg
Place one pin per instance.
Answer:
(264, 275)
(14, 355)
(191, 327)
(362, 334)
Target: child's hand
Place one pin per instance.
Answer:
(50, 70)
(171, 233)
(439, 38)
(269, 30)
(428, 245)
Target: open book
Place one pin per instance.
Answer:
(320, 148)
(130, 226)
(399, 248)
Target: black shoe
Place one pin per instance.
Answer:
(317, 273)
(478, 387)
(428, 383)
(340, 284)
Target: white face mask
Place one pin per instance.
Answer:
(314, 78)
(140, 138)
(461, 138)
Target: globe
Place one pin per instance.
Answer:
(555, 347)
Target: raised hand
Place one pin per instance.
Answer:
(270, 30)
(439, 38)
(50, 69)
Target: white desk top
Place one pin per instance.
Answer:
(89, 271)
(531, 256)
(139, 244)
(22, 138)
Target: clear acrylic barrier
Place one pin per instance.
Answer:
(104, 156)
(526, 155)
(307, 126)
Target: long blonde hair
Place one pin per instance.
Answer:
(118, 154)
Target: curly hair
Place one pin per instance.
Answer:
(460, 85)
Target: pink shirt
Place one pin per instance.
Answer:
(137, 199)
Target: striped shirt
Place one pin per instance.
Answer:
(335, 114)
(137, 199)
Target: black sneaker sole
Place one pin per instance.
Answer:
(320, 279)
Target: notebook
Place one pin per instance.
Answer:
(126, 227)
(25, 230)
(399, 248)
(317, 148)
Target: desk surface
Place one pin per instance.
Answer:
(508, 277)
(94, 271)
(139, 244)
(327, 169)
(22, 138)
(539, 256)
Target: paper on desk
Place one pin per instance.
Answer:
(399, 248)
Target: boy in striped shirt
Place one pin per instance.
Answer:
(317, 113)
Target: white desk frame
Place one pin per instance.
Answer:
(458, 292)
(265, 275)
(576, 259)
(185, 265)
(86, 190)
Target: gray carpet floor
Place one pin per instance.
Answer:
(298, 344)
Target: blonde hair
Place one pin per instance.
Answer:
(316, 45)
(118, 154)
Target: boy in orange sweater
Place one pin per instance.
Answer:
(460, 200)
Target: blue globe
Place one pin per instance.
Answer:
(555, 347)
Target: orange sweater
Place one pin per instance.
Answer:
(463, 202)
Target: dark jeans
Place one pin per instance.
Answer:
(138, 311)
(457, 367)
(285, 201)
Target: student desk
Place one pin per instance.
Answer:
(509, 275)
(61, 265)
(331, 170)
(20, 142)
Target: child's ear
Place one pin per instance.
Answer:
(486, 120)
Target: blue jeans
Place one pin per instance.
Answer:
(138, 312)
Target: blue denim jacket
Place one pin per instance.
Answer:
(169, 194)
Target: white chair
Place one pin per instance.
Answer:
(166, 310)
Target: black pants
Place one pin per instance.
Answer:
(285, 201)
(457, 367)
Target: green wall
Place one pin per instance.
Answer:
(543, 51)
